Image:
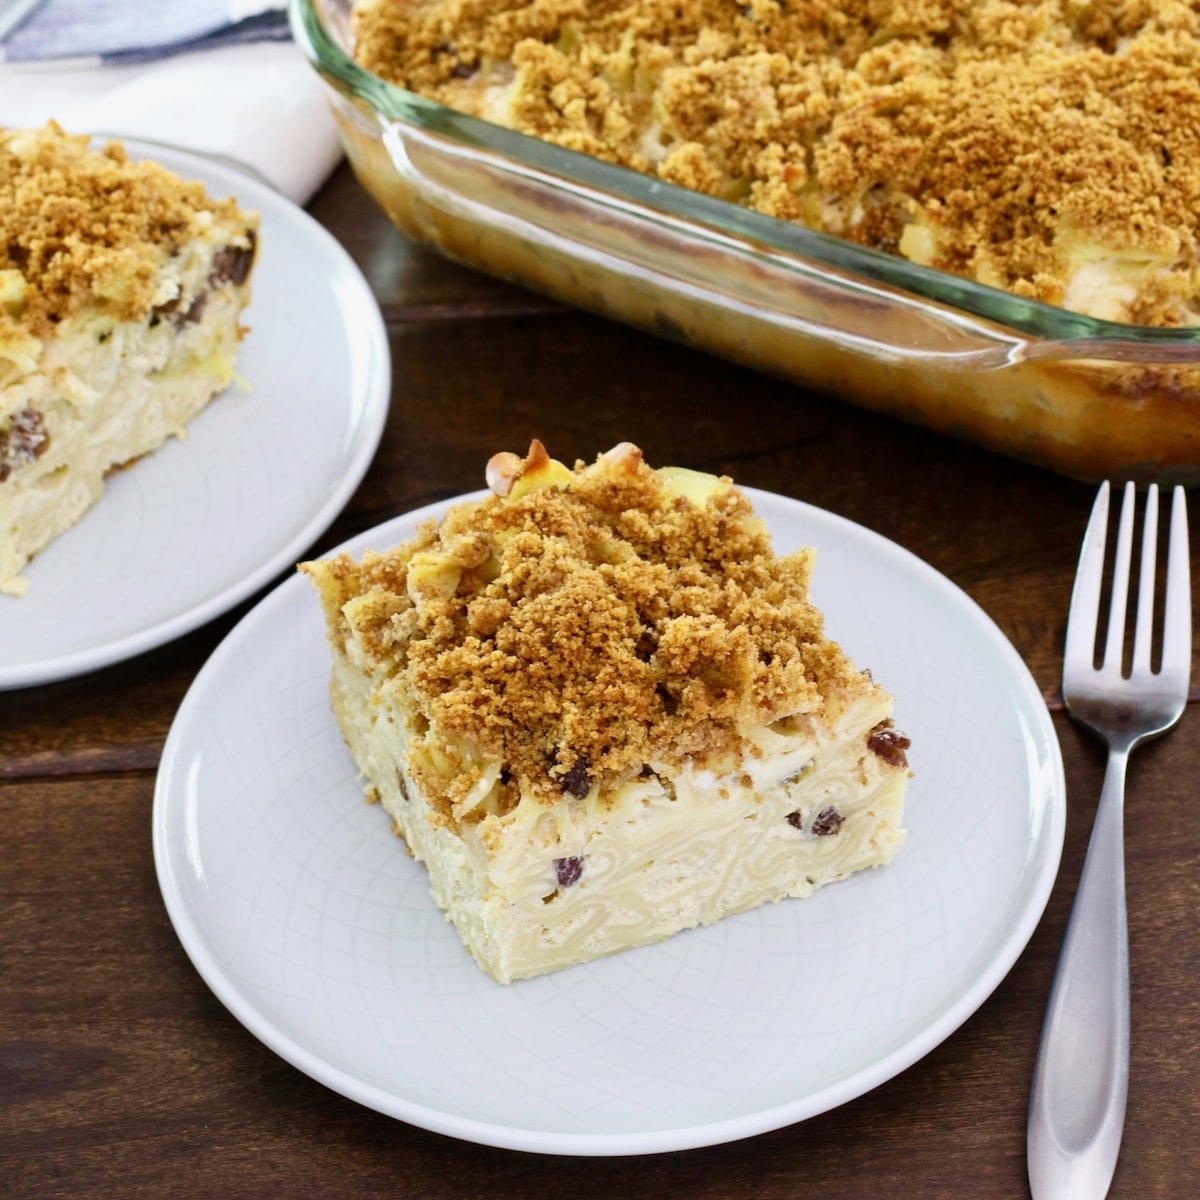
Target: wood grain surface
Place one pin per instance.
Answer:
(122, 1075)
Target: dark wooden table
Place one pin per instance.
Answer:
(122, 1075)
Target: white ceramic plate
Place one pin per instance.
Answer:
(202, 523)
(305, 916)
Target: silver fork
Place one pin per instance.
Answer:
(1077, 1109)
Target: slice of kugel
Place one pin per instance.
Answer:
(120, 291)
(600, 710)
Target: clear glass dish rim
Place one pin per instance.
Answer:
(755, 231)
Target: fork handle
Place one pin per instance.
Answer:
(1077, 1110)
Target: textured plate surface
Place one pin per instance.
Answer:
(308, 920)
(200, 524)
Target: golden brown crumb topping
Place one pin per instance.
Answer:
(1023, 138)
(592, 625)
(85, 226)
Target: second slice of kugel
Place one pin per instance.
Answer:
(121, 288)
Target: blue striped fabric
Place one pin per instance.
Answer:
(140, 30)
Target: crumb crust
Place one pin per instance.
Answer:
(593, 631)
(90, 227)
(1026, 137)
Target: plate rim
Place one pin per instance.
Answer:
(253, 193)
(512, 1137)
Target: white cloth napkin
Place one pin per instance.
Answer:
(259, 104)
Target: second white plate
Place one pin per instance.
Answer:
(202, 523)
(305, 916)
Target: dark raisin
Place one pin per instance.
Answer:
(795, 820)
(505, 776)
(231, 264)
(223, 265)
(24, 440)
(827, 822)
(177, 313)
(889, 744)
(17, 255)
(170, 310)
(462, 70)
(196, 309)
(440, 48)
(577, 782)
(568, 870)
(27, 436)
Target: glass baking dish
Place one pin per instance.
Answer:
(1082, 396)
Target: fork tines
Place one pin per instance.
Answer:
(1085, 600)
